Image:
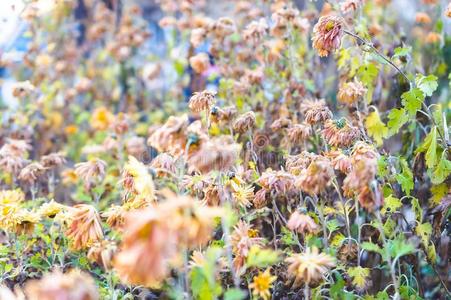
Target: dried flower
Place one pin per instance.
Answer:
(101, 119)
(163, 165)
(15, 147)
(135, 146)
(223, 27)
(102, 253)
(277, 182)
(170, 137)
(309, 267)
(53, 160)
(448, 11)
(242, 194)
(199, 62)
(262, 283)
(91, 170)
(51, 209)
(23, 89)
(327, 34)
(243, 238)
(302, 223)
(138, 180)
(339, 133)
(255, 31)
(84, 226)
(298, 133)
(351, 92)
(280, 123)
(339, 161)
(315, 111)
(73, 285)
(245, 122)
(350, 5)
(422, 18)
(316, 177)
(296, 163)
(201, 101)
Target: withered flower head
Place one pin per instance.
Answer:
(51, 209)
(73, 285)
(15, 147)
(339, 161)
(136, 146)
(327, 34)
(200, 62)
(316, 177)
(278, 182)
(225, 114)
(302, 223)
(53, 160)
(31, 172)
(197, 37)
(298, 133)
(351, 92)
(211, 195)
(280, 123)
(219, 154)
(91, 170)
(24, 221)
(350, 5)
(84, 227)
(339, 133)
(138, 180)
(315, 111)
(296, 163)
(422, 18)
(223, 27)
(309, 267)
(243, 238)
(255, 31)
(101, 118)
(245, 122)
(12, 164)
(201, 101)
(448, 11)
(163, 165)
(102, 253)
(170, 137)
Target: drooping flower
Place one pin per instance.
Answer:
(163, 165)
(91, 170)
(84, 228)
(102, 253)
(309, 267)
(53, 160)
(348, 6)
(74, 285)
(316, 177)
(243, 238)
(201, 101)
(327, 34)
(199, 62)
(339, 133)
(262, 283)
(255, 31)
(351, 92)
(51, 209)
(302, 223)
(245, 122)
(315, 111)
(171, 137)
(137, 179)
(31, 173)
(298, 133)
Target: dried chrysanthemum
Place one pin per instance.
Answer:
(31, 172)
(243, 238)
(262, 283)
(225, 114)
(136, 146)
(255, 31)
(339, 161)
(73, 285)
(350, 5)
(198, 36)
(24, 221)
(316, 177)
(302, 223)
(216, 154)
(15, 147)
(91, 170)
(211, 195)
(199, 62)
(12, 164)
(171, 137)
(137, 179)
(245, 122)
(298, 133)
(84, 226)
(223, 27)
(242, 194)
(309, 267)
(351, 92)
(163, 165)
(448, 11)
(281, 123)
(201, 101)
(422, 18)
(339, 133)
(23, 89)
(296, 163)
(277, 182)
(53, 160)
(327, 34)
(315, 111)
(102, 253)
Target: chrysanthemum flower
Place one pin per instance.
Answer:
(243, 238)
(31, 172)
(163, 165)
(302, 223)
(262, 283)
(102, 253)
(201, 101)
(339, 133)
(91, 170)
(316, 177)
(101, 119)
(84, 227)
(351, 92)
(327, 34)
(315, 111)
(277, 182)
(53, 160)
(244, 122)
(171, 137)
(296, 163)
(199, 62)
(73, 285)
(51, 209)
(309, 267)
(242, 194)
(422, 18)
(255, 31)
(138, 180)
(298, 133)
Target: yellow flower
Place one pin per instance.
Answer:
(71, 129)
(138, 178)
(242, 194)
(262, 284)
(101, 118)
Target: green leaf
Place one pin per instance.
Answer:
(431, 153)
(391, 204)
(412, 100)
(359, 276)
(401, 51)
(427, 84)
(375, 127)
(332, 225)
(405, 178)
(261, 258)
(442, 171)
(397, 118)
(416, 207)
(424, 231)
(400, 247)
(368, 246)
(235, 294)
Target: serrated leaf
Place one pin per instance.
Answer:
(442, 170)
(391, 204)
(416, 207)
(431, 153)
(405, 178)
(427, 84)
(412, 100)
(424, 231)
(368, 246)
(438, 192)
(375, 127)
(400, 247)
(397, 118)
(402, 51)
(359, 276)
